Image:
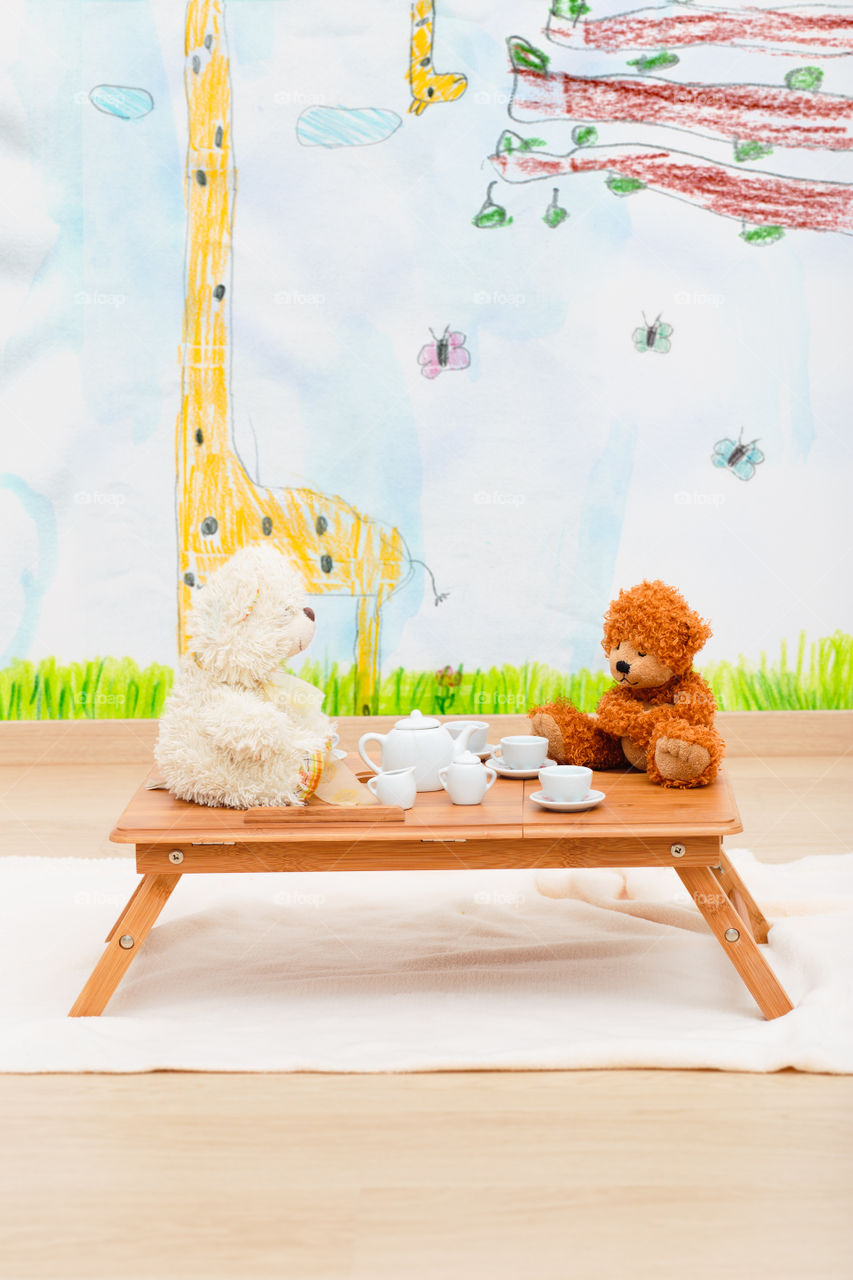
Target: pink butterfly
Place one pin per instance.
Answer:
(446, 352)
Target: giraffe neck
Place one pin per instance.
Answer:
(210, 183)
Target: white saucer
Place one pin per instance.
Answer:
(504, 771)
(591, 799)
(487, 751)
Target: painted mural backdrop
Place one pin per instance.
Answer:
(478, 312)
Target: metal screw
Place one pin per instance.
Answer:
(732, 935)
(126, 941)
(677, 850)
(176, 856)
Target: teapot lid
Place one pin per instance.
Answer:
(417, 720)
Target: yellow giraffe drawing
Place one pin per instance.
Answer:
(428, 85)
(219, 508)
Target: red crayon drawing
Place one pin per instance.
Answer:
(765, 199)
(820, 31)
(763, 113)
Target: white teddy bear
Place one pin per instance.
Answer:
(237, 731)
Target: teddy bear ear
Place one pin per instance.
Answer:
(243, 597)
(697, 632)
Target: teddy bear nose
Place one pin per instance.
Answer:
(623, 666)
(309, 612)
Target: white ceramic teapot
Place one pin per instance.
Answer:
(420, 742)
(466, 779)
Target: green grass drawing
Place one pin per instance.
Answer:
(819, 676)
(103, 689)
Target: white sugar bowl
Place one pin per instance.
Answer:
(466, 780)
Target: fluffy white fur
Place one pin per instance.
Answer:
(226, 737)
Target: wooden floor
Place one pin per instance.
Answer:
(589, 1175)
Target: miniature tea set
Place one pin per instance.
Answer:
(421, 754)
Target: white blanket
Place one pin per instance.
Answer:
(422, 971)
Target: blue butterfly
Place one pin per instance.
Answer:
(741, 459)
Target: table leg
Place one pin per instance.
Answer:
(708, 894)
(745, 904)
(136, 920)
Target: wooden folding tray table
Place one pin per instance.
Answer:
(637, 825)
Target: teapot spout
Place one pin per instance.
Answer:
(461, 740)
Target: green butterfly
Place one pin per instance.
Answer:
(653, 337)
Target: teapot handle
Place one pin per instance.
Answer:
(362, 742)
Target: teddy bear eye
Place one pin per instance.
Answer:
(640, 655)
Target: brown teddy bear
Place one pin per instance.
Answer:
(660, 716)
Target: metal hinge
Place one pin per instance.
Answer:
(444, 840)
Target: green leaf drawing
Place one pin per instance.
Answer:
(526, 57)
(585, 136)
(625, 186)
(810, 78)
(510, 142)
(491, 214)
(752, 150)
(555, 213)
(572, 9)
(655, 62)
(761, 236)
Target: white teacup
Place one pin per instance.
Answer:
(395, 786)
(479, 738)
(522, 751)
(565, 781)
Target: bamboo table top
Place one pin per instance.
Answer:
(636, 821)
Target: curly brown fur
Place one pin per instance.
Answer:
(672, 724)
(577, 740)
(656, 617)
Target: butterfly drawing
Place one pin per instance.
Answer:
(446, 352)
(653, 337)
(740, 458)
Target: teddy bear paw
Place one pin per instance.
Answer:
(635, 755)
(682, 760)
(545, 726)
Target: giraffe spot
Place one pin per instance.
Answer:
(219, 292)
(201, 177)
(208, 41)
(425, 62)
(217, 141)
(199, 436)
(266, 526)
(321, 525)
(326, 564)
(209, 525)
(189, 579)
(196, 63)
(430, 92)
